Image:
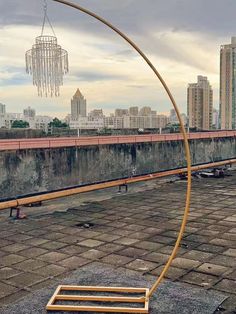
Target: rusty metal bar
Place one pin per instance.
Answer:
(98, 186)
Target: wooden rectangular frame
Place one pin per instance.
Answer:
(51, 306)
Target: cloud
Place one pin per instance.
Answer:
(182, 39)
(87, 76)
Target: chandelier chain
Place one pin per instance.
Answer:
(46, 18)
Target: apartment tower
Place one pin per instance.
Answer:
(228, 85)
(200, 104)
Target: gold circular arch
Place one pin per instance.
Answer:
(186, 145)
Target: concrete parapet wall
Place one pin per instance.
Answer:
(42, 169)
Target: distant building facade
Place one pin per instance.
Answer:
(200, 104)
(113, 122)
(29, 113)
(96, 113)
(89, 123)
(173, 119)
(228, 85)
(10, 117)
(215, 119)
(78, 106)
(2, 115)
(42, 122)
(145, 111)
(133, 111)
(121, 112)
(145, 122)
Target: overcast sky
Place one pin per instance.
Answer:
(181, 37)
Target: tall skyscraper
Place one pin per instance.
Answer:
(78, 106)
(200, 104)
(2, 109)
(2, 115)
(228, 85)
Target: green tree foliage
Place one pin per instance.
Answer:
(20, 124)
(56, 123)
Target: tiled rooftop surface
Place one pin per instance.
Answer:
(136, 230)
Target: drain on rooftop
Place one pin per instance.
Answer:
(85, 225)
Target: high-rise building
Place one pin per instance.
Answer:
(145, 111)
(228, 85)
(133, 111)
(200, 104)
(78, 106)
(121, 112)
(29, 113)
(215, 119)
(2, 115)
(2, 109)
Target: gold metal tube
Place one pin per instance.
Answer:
(187, 152)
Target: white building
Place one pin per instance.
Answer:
(11, 117)
(145, 122)
(137, 122)
(114, 122)
(160, 121)
(67, 119)
(41, 122)
(89, 123)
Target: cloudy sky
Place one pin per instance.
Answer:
(181, 37)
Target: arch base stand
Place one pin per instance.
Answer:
(119, 296)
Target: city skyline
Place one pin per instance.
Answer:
(180, 50)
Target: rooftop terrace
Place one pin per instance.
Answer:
(134, 231)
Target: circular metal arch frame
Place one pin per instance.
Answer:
(186, 145)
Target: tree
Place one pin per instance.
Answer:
(20, 124)
(56, 123)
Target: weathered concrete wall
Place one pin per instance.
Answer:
(20, 133)
(34, 170)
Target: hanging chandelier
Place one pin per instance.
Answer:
(47, 62)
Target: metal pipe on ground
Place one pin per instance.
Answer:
(104, 185)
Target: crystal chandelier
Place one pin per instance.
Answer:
(47, 62)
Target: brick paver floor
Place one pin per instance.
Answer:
(134, 230)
